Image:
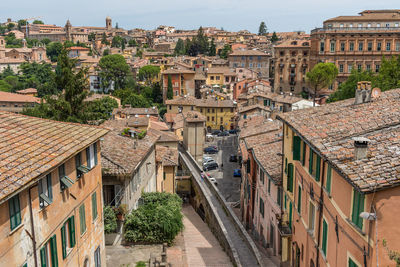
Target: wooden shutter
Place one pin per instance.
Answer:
(358, 207)
(352, 263)
(82, 218)
(95, 153)
(63, 242)
(328, 178)
(324, 236)
(303, 160)
(318, 169)
(53, 249)
(286, 165)
(43, 256)
(88, 157)
(71, 229)
(290, 178)
(49, 186)
(290, 215)
(355, 214)
(296, 147)
(299, 200)
(94, 206)
(15, 212)
(310, 161)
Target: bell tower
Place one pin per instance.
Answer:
(108, 23)
(68, 28)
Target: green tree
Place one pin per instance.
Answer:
(321, 76)
(92, 36)
(100, 109)
(10, 26)
(21, 23)
(104, 39)
(53, 50)
(226, 50)
(170, 93)
(37, 22)
(179, 48)
(110, 220)
(212, 49)
(389, 74)
(128, 96)
(5, 86)
(117, 41)
(148, 73)
(113, 68)
(139, 53)
(274, 38)
(46, 41)
(106, 52)
(157, 93)
(262, 30)
(132, 43)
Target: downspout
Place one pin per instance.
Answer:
(32, 228)
(321, 210)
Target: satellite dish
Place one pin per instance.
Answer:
(376, 93)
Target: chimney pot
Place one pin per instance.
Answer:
(360, 147)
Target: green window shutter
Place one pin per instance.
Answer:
(303, 161)
(290, 178)
(286, 165)
(310, 161)
(63, 242)
(265, 102)
(329, 178)
(43, 257)
(53, 250)
(318, 169)
(358, 207)
(352, 263)
(290, 215)
(82, 218)
(324, 236)
(94, 206)
(296, 147)
(269, 186)
(355, 214)
(71, 229)
(95, 153)
(15, 212)
(299, 200)
(88, 157)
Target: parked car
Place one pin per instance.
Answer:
(233, 158)
(233, 131)
(215, 132)
(237, 173)
(206, 157)
(205, 161)
(210, 166)
(224, 133)
(211, 150)
(213, 180)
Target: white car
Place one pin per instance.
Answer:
(206, 161)
(213, 180)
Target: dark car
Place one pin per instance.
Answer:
(211, 150)
(237, 173)
(210, 166)
(233, 158)
(215, 132)
(224, 133)
(233, 131)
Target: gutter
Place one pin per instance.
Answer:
(32, 228)
(321, 211)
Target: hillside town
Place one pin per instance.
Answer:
(203, 147)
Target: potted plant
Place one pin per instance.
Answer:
(121, 211)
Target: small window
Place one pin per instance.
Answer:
(48, 253)
(324, 236)
(91, 156)
(360, 46)
(351, 46)
(218, 78)
(311, 218)
(388, 46)
(97, 257)
(333, 44)
(342, 46)
(299, 200)
(262, 207)
(341, 68)
(379, 46)
(80, 168)
(15, 212)
(322, 46)
(369, 46)
(68, 236)
(65, 181)
(45, 191)
(328, 179)
(377, 67)
(352, 263)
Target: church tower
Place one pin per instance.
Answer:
(68, 29)
(108, 24)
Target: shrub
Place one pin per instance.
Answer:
(158, 220)
(110, 220)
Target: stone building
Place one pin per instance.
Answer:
(250, 59)
(356, 42)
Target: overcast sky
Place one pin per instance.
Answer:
(234, 15)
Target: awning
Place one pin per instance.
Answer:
(46, 198)
(67, 182)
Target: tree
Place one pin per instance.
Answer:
(321, 76)
(113, 68)
(389, 74)
(101, 109)
(274, 37)
(104, 39)
(262, 30)
(212, 49)
(180, 48)
(170, 93)
(132, 43)
(157, 93)
(21, 23)
(37, 22)
(106, 52)
(139, 53)
(148, 73)
(10, 26)
(110, 220)
(117, 41)
(128, 96)
(53, 50)
(92, 36)
(225, 51)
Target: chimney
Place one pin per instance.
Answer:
(363, 92)
(360, 147)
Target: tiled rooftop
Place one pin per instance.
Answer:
(30, 147)
(137, 111)
(167, 156)
(330, 129)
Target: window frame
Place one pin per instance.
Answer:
(45, 188)
(14, 208)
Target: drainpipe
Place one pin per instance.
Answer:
(321, 210)
(32, 228)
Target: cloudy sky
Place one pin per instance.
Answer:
(234, 15)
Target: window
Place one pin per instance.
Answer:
(296, 147)
(397, 46)
(324, 236)
(290, 178)
(262, 207)
(352, 263)
(269, 186)
(65, 181)
(286, 166)
(91, 156)
(360, 46)
(369, 46)
(368, 67)
(341, 68)
(322, 46)
(212, 78)
(217, 78)
(342, 46)
(351, 46)
(68, 236)
(80, 168)
(208, 110)
(45, 191)
(251, 65)
(378, 25)
(328, 179)
(248, 166)
(208, 118)
(311, 218)
(350, 68)
(379, 46)
(279, 196)
(290, 214)
(377, 67)
(314, 165)
(15, 212)
(299, 200)
(388, 46)
(303, 154)
(212, 118)
(359, 67)
(358, 207)
(212, 110)
(82, 219)
(94, 204)
(333, 46)
(48, 253)
(261, 176)
(259, 65)
(97, 257)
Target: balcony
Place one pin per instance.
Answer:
(356, 29)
